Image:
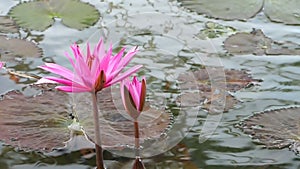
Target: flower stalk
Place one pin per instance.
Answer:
(99, 151)
(133, 96)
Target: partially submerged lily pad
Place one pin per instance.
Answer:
(278, 128)
(229, 10)
(234, 80)
(39, 122)
(40, 14)
(7, 25)
(14, 49)
(117, 128)
(257, 43)
(287, 12)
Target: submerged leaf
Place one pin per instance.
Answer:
(39, 15)
(7, 25)
(287, 12)
(117, 127)
(229, 10)
(37, 122)
(11, 49)
(234, 80)
(278, 128)
(257, 43)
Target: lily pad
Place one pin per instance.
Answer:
(14, 49)
(274, 128)
(229, 10)
(235, 80)
(257, 43)
(7, 25)
(39, 122)
(116, 126)
(287, 12)
(40, 14)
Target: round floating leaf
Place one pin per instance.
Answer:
(116, 126)
(7, 25)
(287, 12)
(257, 43)
(248, 43)
(235, 80)
(229, 10)
(10, 49)
(274, 128)
(40, 14)
(39, 122)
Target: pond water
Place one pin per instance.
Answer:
(165, 33)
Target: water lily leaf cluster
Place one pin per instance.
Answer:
(276, 10)
(257, 43)
(40, 14)
(42, 122)
(278, 128)
(234, 80)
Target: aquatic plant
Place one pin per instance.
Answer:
(92, 73)
(133, 97)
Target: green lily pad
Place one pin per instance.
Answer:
(257, 43)
(278, 128)
(227, 10)
(7, 25)
(40, 14)
(14, 49)
(287, 12)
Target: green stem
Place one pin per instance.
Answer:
(99, 151)
(137, 138)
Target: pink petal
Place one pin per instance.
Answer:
(60, 80)
(1, 64)
(57, 69)
(124, 75)
(72, 89)
(44, 80)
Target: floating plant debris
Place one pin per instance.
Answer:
(257, 43)
(7, 25)
(214, 30)
(234, 80)
(277, 128)
(13, 49)
(39, 15)
(286, 12)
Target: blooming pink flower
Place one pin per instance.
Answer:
(1, 64)
(133, 95)
(92, 72)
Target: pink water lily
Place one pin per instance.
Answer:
(92, 72)
(133, 95)
(1, 64)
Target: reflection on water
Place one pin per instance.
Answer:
(168, 48)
